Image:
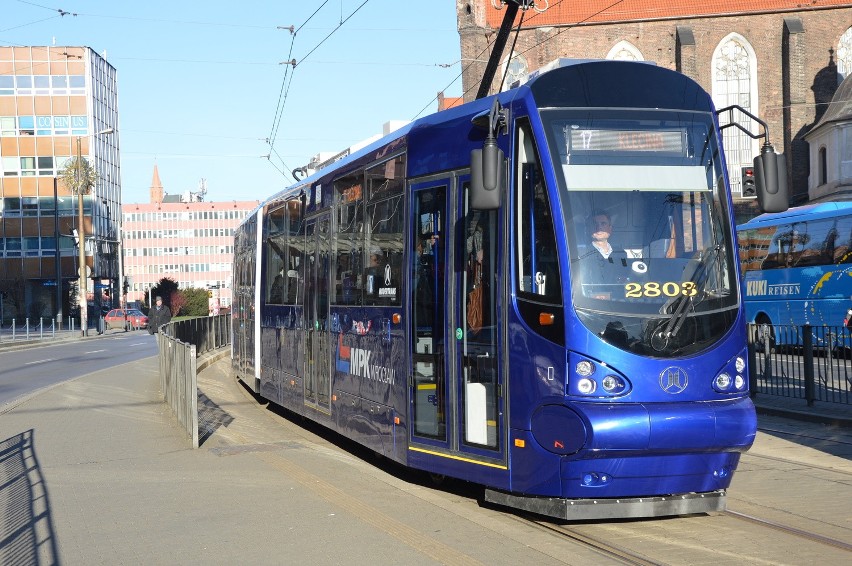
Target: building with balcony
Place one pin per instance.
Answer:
(56, 103)
(183, 238)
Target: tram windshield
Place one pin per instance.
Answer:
(650, 246)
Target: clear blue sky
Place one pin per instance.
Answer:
(199, 82)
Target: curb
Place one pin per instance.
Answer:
(811, 417)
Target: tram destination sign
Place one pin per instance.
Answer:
(671, 142)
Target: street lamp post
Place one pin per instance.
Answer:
(84, 303)
(58, 258)
(81, 246)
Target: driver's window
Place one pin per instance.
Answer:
(538, 262)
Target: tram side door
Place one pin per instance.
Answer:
(317, 383)
(477, 316)
(455, 386)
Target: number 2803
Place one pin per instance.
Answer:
(655, 289)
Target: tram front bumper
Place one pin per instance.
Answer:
(652, 449)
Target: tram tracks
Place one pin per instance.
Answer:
(603, 548)
(807, 535)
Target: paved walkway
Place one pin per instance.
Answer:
(96, 471)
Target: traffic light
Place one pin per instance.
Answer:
(749, 189)
(209, 294)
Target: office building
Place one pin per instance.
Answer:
(183, 238)
(56, 103)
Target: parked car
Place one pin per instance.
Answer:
(133, 320)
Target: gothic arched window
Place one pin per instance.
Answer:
(624, 51)
(514, 68)
(735, 82)
(844, 54)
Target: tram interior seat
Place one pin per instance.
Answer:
(659, 248)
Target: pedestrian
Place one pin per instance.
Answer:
(158, 316)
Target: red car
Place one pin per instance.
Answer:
(132, 320)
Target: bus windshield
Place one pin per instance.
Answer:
(645, 209)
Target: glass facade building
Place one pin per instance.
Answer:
(55, 103)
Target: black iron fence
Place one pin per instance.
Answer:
(807, 362)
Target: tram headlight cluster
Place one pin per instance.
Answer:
(731, 378)
(594, 379)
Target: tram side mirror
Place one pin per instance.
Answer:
(770, 178)
(486, 176)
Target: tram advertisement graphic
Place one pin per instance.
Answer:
(361, 363)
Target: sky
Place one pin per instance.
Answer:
(202, 90)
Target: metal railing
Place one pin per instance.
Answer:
(807, 362)
(206, 333)
(180, 343)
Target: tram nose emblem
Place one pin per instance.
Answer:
(673, 380)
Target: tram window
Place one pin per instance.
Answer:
(275, 253)
(382, 275)
(538, 265)
(349, 240)
(283, 254)
(387, 179)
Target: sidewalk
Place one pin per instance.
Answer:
(96, 471)
(832, 414)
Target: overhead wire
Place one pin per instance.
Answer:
(489, 45)
(282, 94)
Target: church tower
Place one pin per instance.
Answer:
(156, 187)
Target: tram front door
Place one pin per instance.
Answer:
(317, 356)
(455, 390)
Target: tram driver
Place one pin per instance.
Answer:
(602, 267)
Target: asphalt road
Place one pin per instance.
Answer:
(23, 372)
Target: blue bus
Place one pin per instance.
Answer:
(536, 291)
(796, 268)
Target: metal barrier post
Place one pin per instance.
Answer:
(14, 328)
(808, 342)
(752, 361)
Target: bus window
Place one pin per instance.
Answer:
(843, 248)
(818, 249)
(787, 246)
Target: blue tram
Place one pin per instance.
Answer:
(446, 296)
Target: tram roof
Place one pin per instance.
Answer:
(678, 91)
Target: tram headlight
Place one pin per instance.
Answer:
(613, 384)
(585, 368)
(739, 382)
(739, 364)
(723, 382)
(586, 386)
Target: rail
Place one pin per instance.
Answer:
(807, 362)
(180, 343)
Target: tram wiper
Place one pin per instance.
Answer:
(683, 304)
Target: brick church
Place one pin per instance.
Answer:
(783, 60)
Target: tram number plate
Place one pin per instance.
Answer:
(658, 289)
